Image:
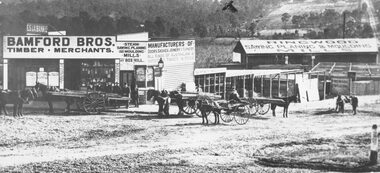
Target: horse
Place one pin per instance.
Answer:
(17, 98)
(205, 107)
(287, 101)
(162, 99)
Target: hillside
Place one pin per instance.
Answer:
(273, 19)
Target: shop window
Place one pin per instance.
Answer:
(144, 76)
(97, 72)
(150, 77)
(140, 77)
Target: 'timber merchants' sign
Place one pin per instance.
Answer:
(55, 47)
(309, 46)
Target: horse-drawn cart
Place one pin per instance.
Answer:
(90, 102)
(190, 102)
(85, 101)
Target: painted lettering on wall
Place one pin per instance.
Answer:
(309, 46)
(58, 46)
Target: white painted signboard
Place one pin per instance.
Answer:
(171, 52)
(59, 47)
(131, 53)
(53, 79)
(31, 78)
(309, 46)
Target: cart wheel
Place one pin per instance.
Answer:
(226, 116)
(189, 106)
(253, 106)
(94, 102)
(263, 108)
(241, 114)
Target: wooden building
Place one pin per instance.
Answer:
(74, 62)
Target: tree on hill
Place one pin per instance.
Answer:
(285, 18)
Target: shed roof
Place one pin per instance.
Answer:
(309, 46)
(235, 73)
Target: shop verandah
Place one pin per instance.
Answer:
(248, 83)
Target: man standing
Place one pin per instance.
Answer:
(135, 96)
(125, 93)
(354, 103)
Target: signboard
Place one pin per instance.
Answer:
(157, 72)
(31, 78)
(351, 75)
(59, 47)
(340, 86)
(204, 71)
(309, 46)
(53, 79)
(140, 72)
(131, 53)
(36, 28)
(42, 77)
(171, 52)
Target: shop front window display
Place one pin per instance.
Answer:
(97, 73)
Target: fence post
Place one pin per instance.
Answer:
(374, 145)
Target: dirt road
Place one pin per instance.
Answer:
(313, 139)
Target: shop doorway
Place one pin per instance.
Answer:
(127, 77)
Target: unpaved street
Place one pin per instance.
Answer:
(119, 142)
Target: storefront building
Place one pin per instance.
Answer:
(75, 62)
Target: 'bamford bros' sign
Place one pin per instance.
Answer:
(59, 47)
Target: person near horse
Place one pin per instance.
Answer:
(125, 90)
(234, 97)
(339, 104)
(354, 102)
(163, 103)
(135, 95)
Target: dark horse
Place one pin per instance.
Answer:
(209, 106)
(17, 98)
(287, 101)
(162, 99)
(44, 90)
(158, 96)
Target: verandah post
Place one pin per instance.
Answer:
(374, 145)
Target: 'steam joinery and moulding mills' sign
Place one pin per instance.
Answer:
(309, 46)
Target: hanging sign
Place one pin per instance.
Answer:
(42, 77)
(53, 79)
(36, 28)
(31, 78)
